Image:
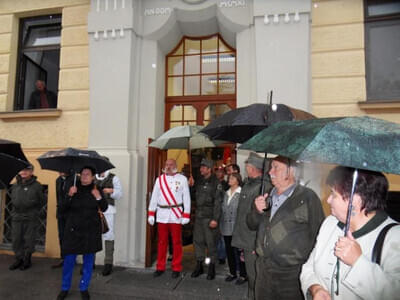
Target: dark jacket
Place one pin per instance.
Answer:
(288, 238)
(27, 198)
(62, 188)
(209, 195)
(82, 233)
(243, 237)
(34, 101)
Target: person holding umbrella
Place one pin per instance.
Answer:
(27, 198)
(363, 273)
(287, 225)
(82, 233)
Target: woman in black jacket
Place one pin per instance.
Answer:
(82, 234)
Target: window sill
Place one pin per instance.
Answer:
(32, 114)
(379, 105)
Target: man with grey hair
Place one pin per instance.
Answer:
(243, 237)
(287, 221)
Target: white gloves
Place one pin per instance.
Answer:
(150, 219)
(185, 221)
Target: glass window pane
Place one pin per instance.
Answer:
(380, 8)
(189, 113)
(42, 36)
(226, 84)
(176, 113)
(382, 60)
(223, 47)
(192, 85)
(209, 45)
(192, 64)
(209, 63)
(179, 50)
(175, 124)
(209, 85)
(175, 86)
(192, 46)
(175, 65)
(213, 111)
(227, 62)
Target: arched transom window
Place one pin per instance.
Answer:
(200, 80)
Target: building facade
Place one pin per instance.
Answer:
(116, 89)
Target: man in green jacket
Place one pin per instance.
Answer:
(27, 198)
(287, 223)
(208, 210)
(243, 237)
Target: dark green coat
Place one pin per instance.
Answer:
(243, 237)
(27, 198)
(289, 237)
(208, 198)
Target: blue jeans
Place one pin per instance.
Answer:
(68, 268)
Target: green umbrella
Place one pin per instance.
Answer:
(357, 142)
(184, 137)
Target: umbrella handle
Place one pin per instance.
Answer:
(75, 179)
(350, 207)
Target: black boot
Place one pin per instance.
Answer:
(27, 262)
(211, 272)
(107, 269)
(17, 263)
(62, 295)
(85, 295)
(198, 270)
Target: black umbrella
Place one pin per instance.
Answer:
(239, 125)
(12, 148)
(71, 160)
(10, 166)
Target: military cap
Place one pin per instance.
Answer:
(255, 160)
(206, 162)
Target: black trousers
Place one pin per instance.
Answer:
(61, 227)
(233, 255)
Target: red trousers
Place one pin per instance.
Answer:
(176, 233)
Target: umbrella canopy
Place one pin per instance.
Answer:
(10, 166)
(71, 160)
(357, 142)
(12, 148)
(239, 125)
(184, 137)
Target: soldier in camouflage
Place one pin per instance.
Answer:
(208, 210)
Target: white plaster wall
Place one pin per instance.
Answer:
(127, 91)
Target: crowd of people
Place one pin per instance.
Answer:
(280, 242)
(275, 242)
(80, 202)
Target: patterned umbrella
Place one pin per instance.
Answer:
(357, 142)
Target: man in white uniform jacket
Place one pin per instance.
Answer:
(170, 204)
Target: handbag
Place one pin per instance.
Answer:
(103, 221)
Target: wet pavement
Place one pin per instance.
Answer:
(43, 282)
